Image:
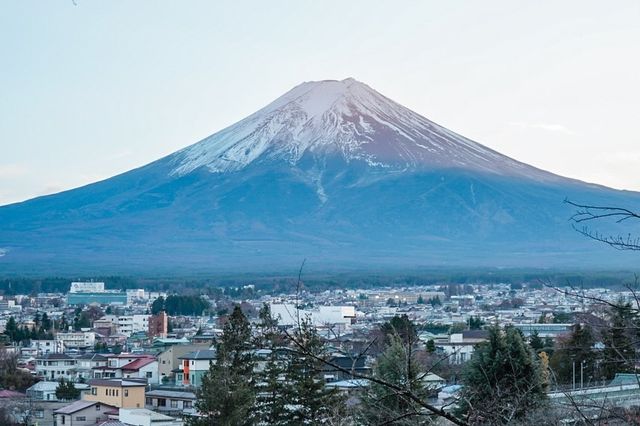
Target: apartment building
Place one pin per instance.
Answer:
(77, 339)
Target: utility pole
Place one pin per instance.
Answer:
(581, 374)
(574, 375)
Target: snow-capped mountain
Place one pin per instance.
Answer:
(349, 119)
(331, 171)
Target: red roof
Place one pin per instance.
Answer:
(138, 364)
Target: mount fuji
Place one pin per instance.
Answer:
(331, 171)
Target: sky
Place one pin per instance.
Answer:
(90, 89)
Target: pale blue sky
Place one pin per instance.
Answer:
(94, 89)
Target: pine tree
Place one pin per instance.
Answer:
(227, 394)
(535, 341)
(66, 391)
(503, 380)
(397, 365)
(619, 352)
(576, 350)
(11, 329)
(272, 387)
(311, 401)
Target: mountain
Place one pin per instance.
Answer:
(331, 171)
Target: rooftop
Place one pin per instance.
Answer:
(201, 354)
(117, 382)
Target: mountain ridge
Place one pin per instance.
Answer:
(331, 171)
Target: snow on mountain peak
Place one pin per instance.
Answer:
(348, 118)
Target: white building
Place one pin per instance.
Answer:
(54, 367)
(77, 339)
(144, 417)
(460, 346)
(43, 347)
(129, 324)
(320, 316)
(87, 287)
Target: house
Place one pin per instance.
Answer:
(54, 366)
(82, 413)
(193, 366)
(459, 347)
(171, 402)
(145, 367)
(168, 360)
(85, 365)
(113, 369)
(121, 393)
(46, 391)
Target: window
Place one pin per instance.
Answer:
(126, 392)
(117, 392)
(174, 403)
(149, 401)
(149, 374)
(64, 419)
(180, 377)
(162, 402)
(81, 419)
(97, 407)
(187, 404)
(94, 391)
(39, 414)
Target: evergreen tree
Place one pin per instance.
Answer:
(503, 380)
(576, 350)
(272, 387)
(535, 341)
(400, 326)
(620, 353)
(312, 403)
(66, 391)
(11, 329)
(227, 394)
(397, 365)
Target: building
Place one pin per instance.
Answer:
(106, 298)
(55, 367)
(43, 347)
(77, 339)
(121, 393)
(46, 390)
(86, 287)
(82, 413)
(458, 347)
(171, 402)
(168, 360)
(158, 325)
(130, 324)
(544, 330)
(87, 363)
(142, 368)
(341, 316)
(144, 417)
(193, 366)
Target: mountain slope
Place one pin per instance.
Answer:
(331, 171)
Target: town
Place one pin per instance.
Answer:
(136, 357)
